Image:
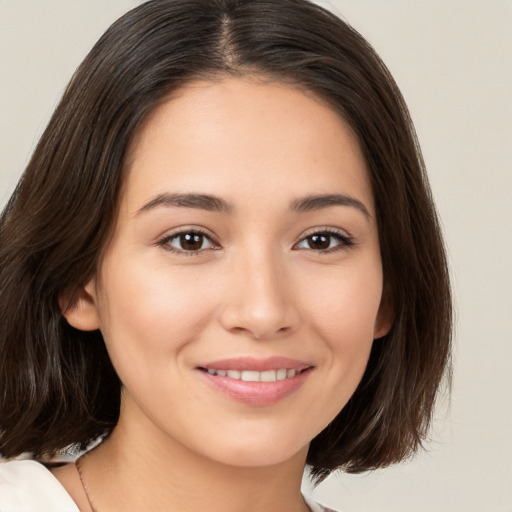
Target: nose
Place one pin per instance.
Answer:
(259, 299)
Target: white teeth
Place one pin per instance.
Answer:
(269, 376)
(249, 376)
(281, 374)
(255, 376)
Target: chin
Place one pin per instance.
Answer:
(264, 453)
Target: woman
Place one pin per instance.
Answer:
(215, 261)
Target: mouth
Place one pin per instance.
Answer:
(256, 382)
(257, 376)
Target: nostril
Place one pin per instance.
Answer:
(258, 315)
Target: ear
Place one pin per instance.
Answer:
(385, 315)
(80, 308)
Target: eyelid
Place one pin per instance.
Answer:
(163, 241)
(346, 240)
(325, 229)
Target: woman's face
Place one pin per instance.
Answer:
(240, 294)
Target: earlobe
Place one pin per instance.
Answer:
(385, 316)
(79, 308)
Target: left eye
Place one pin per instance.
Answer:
(324, 241)
(188, 241)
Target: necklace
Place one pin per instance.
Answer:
(78, 463)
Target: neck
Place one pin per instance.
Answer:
(139, 468)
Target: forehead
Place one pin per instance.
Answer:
(238, 134)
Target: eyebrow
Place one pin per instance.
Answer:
(320, 201)
(200, 201)
(216, 204)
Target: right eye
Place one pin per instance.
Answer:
(325, 241)
(188, 243)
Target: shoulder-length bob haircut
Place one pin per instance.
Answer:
(57, 385)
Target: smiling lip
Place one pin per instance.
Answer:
(255, 392)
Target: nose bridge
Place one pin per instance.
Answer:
(260, 301)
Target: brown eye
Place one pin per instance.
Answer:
(188, 242)
(321, 241)
(191, 241)
(325, 241)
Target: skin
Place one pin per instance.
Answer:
(257, 287)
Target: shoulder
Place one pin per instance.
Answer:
(314, 506)
(27, 486)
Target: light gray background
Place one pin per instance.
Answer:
(453, 62)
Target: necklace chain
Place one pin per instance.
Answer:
(78, 463)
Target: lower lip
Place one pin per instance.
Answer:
(257, 393)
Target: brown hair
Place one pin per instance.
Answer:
(57, 385)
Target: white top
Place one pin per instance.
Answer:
(28, 486)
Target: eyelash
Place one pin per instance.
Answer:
(344, 241)
(165, 242)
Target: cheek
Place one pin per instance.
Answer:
(345, 305)
(343, 312)
(154, 312)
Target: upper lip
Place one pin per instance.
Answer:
(256, 364)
